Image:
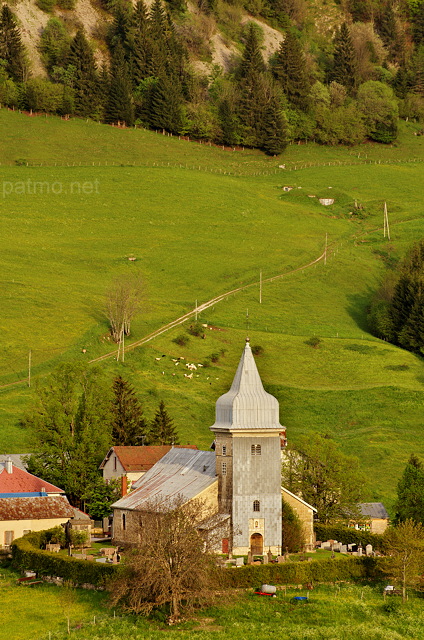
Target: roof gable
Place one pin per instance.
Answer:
(374, 510)
(141, 458)
(20, 481)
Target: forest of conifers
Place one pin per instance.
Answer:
(338, 90)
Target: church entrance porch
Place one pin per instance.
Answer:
(256, 544)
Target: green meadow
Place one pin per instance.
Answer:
(208, 223)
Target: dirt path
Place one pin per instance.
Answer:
(186, 316)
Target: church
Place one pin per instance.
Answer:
(240, 479)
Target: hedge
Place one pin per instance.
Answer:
(332, 570)
(27, 556)
(348, 535)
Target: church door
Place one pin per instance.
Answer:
(256, 544)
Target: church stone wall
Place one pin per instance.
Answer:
(256, 477)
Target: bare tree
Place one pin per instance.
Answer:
(122, 303)
(174, 565)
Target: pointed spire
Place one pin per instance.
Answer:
(247, 405)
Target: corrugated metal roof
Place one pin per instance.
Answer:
(35, 508)
(17, 459)
(20, 481)
(374, 510)
(181, 472)
(141, 458)
(247, 405)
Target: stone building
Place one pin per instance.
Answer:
(240, 480)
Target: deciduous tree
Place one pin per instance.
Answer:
(404, 545)
(69, 423)
(122, 304)
(324, 477)
(173, 566)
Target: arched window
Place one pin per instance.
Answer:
(224, 468)
(124, 522)
(224, 450)
(255, 449)
(258, 450)
(256, 505)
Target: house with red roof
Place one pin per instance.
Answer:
(133, 462)
(28, 503)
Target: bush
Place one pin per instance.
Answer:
(348, 535)
(257, 350)
(196, 330)
(314, 342)
(27, 555)
(182, 340)
(45, 5)
(303, 572)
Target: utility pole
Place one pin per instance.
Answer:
(260, 287)
(29, 368)
(386, 222)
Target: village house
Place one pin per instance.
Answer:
(240, 479)
(132, 462)
(375, 517)
(28, 503)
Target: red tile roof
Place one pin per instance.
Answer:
(20, 481)
(143, 458)
(39, 508)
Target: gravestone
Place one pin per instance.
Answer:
(343, 548)
(368, 549)
(265, 558)
(281, 559)
(239, 562)
(360, 551)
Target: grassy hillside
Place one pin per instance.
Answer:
(198, 232)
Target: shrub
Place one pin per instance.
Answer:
(314, 342)
(46, 5)
(182, 340)
(214, 357)
(196, 330)
(257, 350)
(354, 568)
(27, 555)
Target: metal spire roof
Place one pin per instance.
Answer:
(247, 405)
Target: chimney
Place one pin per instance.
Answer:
(9, 466)
(43, 490)
(124, 486)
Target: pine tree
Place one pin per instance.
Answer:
(120, 27)
(289, 69)
(274, 129)
(411, 336)
(81, 59)
(139, 44)
(229, 123)
(162, 429)
(128, 424)
(119, 107)
(252, 61)
(11, 48)
(410, 492)
(166, 105)
(344, 63)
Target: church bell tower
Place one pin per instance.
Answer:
(248, 438)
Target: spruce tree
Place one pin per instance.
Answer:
(274, 129)
(166, 105)
(410, 492)
(119, 107)
(11, 48)
(128, 424)
(229, 123)
(252, 61)
(81, 59)
(344, 63)
(290, 71)
(162, 430)
(120, 27)
(139, 44)
(418, 25)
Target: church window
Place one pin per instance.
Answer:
(255, 449)
(224, 468)
(224, 450)
(256, 505)
(124, 523)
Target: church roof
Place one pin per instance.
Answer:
(180, 473)
(247, 405)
